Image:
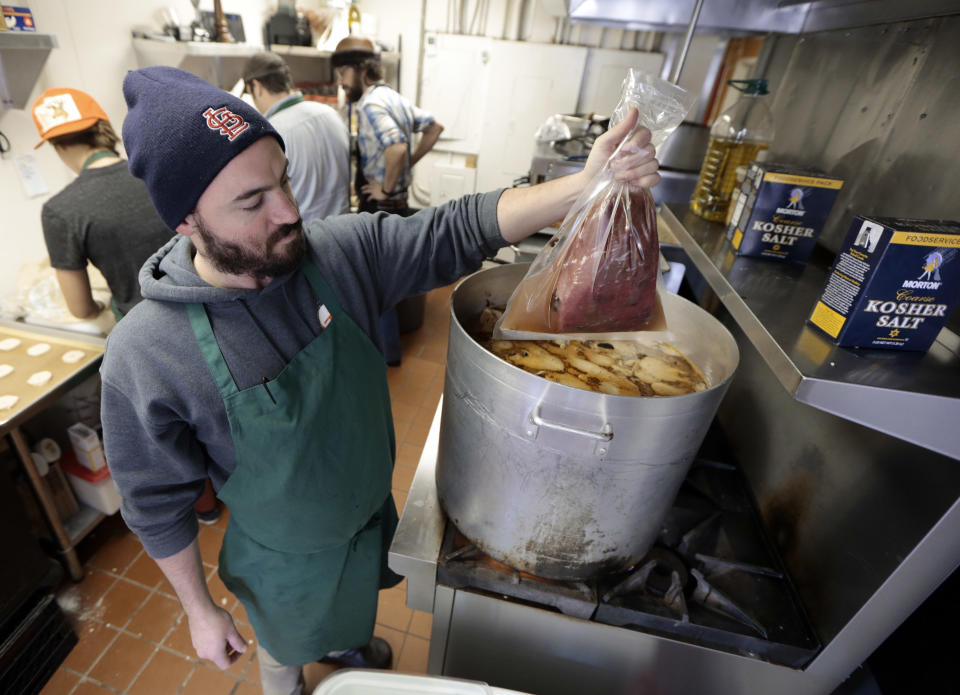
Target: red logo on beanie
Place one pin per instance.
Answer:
(226, 122)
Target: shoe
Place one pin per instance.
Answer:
(377, 654)
(209, 518)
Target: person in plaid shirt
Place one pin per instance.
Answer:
(386, 122)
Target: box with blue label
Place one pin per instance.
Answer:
(780, 211)
(17, 18)
(893, 285)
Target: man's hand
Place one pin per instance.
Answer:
(635, 163)
(373, 191)
(215, 637)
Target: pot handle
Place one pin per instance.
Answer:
(604, 435)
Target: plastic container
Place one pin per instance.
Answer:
(369, 682)
(93, 488)
(87, 446)
(739, 136)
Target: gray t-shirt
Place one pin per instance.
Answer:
(105, 217)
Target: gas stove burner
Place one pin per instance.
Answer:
(708, 597)
(712, 578)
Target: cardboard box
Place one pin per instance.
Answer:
(17, 18)
(86, 444)
(893, 285)
(780, 211)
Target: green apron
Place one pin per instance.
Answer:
(311, 514)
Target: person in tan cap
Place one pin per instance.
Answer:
(386, 122)
(104, 216)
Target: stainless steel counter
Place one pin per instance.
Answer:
(415, 549)
(70, 532)
(65, 376)
(915, 397)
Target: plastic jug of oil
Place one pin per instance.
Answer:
(739, 135)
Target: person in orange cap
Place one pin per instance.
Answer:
(104, 216)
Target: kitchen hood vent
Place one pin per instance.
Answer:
(748, 16)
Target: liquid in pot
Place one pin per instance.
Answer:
(620, 368)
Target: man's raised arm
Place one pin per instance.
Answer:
(523, 211)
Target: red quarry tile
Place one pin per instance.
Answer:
(219, 593)
(122, 601)
(121, 663)
(60, 683)
(210, 540)
(164, 674)
(82, 601)
(158, 615)
(88, 688)
(145, 570)
(421, 624)
(93, 638)
(209, 681)
(178, 639)
(413, 658)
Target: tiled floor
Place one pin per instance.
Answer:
(133, 634)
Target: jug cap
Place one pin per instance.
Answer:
(750, 87)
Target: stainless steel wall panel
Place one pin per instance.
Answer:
(878, 107)
(844, 504)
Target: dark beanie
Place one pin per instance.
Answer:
(180, 132)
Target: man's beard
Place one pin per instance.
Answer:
(234, 259)
(354, 91)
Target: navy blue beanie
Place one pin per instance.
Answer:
(180, 132)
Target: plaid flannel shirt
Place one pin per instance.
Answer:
(384, 118)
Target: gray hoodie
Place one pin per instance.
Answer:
(164, 425)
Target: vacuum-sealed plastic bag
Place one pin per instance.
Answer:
(599, 274)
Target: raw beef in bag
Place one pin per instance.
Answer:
(599, 275)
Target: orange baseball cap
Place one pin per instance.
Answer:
(61, 110)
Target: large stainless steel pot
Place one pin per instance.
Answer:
(561, 482)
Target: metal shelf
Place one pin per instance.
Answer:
(912, 396)
(22, 57)
(222, 63)
(82, 523)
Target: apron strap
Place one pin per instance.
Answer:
(203, 330)
(320, 286)
(200, 322)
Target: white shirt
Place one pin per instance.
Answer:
(318, 151)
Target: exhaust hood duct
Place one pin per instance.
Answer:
(742, 17)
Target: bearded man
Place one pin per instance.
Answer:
(253, 360)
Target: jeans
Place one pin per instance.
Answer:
(276, 678)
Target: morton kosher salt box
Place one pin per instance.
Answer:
(893, 284)
(779, 211)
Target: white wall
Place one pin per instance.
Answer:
(94, 55)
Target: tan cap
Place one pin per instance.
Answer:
(352, 50)
(61, 110)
